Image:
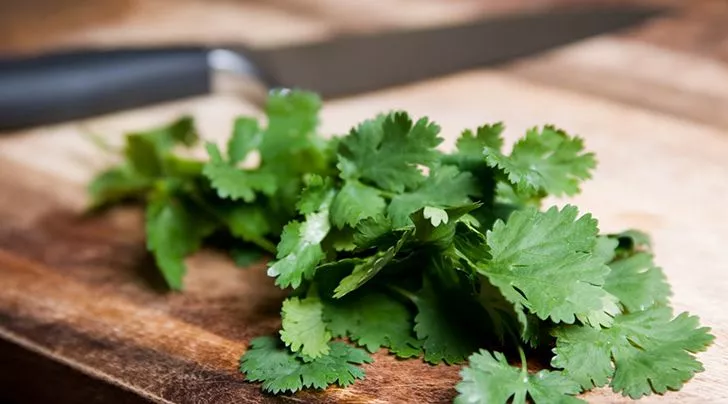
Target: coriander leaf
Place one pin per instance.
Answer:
(299, 251)
(605, 248)
(368, 268)
(470, 244)
(146, 151)
(172, 234)
(445, 334)
(117, 184)
(292, 122)
(637, 282)
(472, 144)
(314, 194)
(386, 151)
(548, 162)
(373, 320)
(373, 231)
(442, 233)
(245, 138)
(303, 327)
(180, 132)
(469, 158)
(354, 203)
(234, 183)
(544, 261)
(642, 352)
(339, 240)
(436, 216)
(489, 378)
(143, 155)
(283, 371)
(249, 223)
(444, 187)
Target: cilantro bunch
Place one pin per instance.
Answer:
(385, 242)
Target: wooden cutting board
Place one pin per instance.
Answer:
(84, 317)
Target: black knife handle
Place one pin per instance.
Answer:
(60, 87)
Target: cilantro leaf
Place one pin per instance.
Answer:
(373, 320)
(547, 162)
(374, 231)
(303, 327)
(146, 151)
(605, 249)
(179, 132)
(142, 154)
(283, 371)
(544, 261)
(367, 268)
(249, 223)
(446, 335)
(116, 185)
(292, 122)
(299, 251)
(354, 203)
(234, 183)
(246, 137)
(472, 144)
(386, 151)
(436, 226)
(642, 352)
(637, 282)
(490, 379)
(315, 193)
(173, 233)
(444, 187)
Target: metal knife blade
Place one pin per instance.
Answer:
(356, 64)
(74, 85)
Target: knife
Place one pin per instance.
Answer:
(79, 84)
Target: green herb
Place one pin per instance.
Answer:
(391, 243)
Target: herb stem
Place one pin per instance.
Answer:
(524, 364)
(403, 292)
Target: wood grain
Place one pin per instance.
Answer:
(80, 295)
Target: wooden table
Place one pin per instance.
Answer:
(84, 318)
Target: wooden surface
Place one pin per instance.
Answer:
(78, 293)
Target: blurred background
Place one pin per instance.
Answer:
(37, 27)
(40, 25)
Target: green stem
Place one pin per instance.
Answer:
(387, 194)
(404, 292)
(265, 244)
(524, 364)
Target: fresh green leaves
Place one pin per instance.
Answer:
(250, 204)
(303, 328)
(354, 203)
(490, 379)
(637, 282)
(544, 162)
(374, 320)
(386, 151)
(173, 232)
(300, 251)
(545, 262)
(284, 372)
(642, 352)
(392, 244)
(234, 183)
(446, 337)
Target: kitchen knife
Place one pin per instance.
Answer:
(79, 84)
